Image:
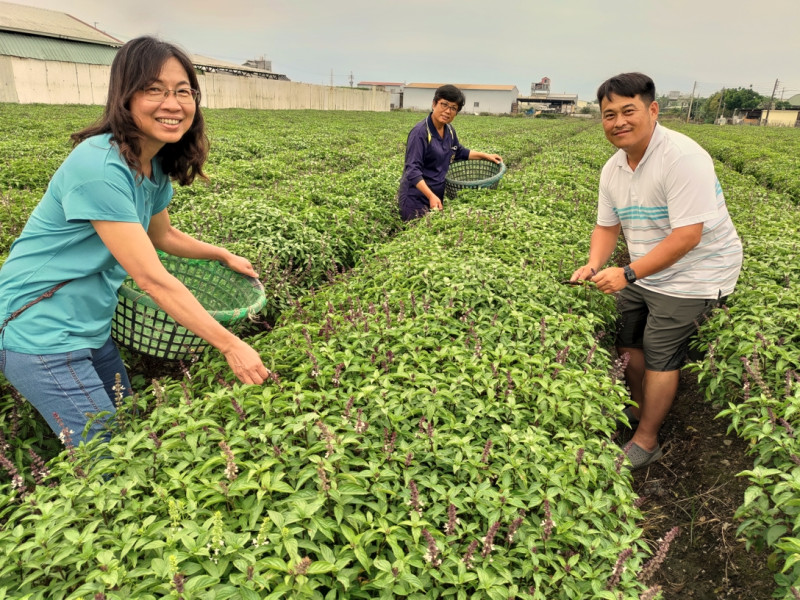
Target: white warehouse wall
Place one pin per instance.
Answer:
(490, 101)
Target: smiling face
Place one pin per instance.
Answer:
(444, 111)
(165, 121)
(628, 123)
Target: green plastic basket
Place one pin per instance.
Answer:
(472, 174)
(140, 325)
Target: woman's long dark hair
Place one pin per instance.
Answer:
(137, 64)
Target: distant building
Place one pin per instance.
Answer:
(543, 87)
(395, 88)
(54, 58)
(50, 57)
(259, 63)
(772, 117)
(675, 102)
(543, 100)
(794, 101)
(212, 65)
(491, 99)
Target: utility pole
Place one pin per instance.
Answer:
(691, 100)
(774, 89)
(351, 79)
(719, 106)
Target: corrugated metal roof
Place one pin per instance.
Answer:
(51, 23)
(205, 61)
(463, 86)
(385, 83)
(547, 97)
(45, 48)
(41, 34)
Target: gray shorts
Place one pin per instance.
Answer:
(660, 325)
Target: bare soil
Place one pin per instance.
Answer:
(695, 487)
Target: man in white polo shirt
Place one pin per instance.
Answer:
(661, 191)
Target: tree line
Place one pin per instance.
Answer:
(723, 103)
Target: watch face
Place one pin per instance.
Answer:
(630, 276)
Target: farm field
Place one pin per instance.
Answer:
(442, 418)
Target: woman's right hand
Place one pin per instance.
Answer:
(436, 203)
(246, 363)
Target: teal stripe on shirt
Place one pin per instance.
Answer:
(642, 213)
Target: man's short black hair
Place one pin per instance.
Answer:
(450, 93)
(628, 85)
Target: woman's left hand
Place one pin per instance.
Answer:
(241, 265)
(495, 158)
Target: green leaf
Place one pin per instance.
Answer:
(200, 582)
(751, 493)
(774, 533)
(382, 565)
(320, 566)
(273, 563)
(362, 557)
(248, 594)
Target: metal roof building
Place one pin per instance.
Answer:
(51, 57)
(43, 48)
(49, 23)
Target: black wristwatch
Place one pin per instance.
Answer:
(630, 276)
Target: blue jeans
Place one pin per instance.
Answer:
(74, 385)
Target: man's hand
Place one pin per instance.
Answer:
(610, 280)
(584, 273)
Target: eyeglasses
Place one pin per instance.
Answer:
(445, 106)
(157, 93)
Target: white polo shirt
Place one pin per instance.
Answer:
(674, 185)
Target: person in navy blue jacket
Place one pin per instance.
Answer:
(432, 145)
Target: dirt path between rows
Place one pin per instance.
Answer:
(695, 487)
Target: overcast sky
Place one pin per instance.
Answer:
(576, 43)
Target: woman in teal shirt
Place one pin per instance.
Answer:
(102, 217)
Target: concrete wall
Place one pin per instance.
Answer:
(221, 90)
(781, 118)
(489, 101)
(27, 81)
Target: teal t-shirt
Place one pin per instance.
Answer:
(59, 243)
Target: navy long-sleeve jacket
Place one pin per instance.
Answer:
(428, 157)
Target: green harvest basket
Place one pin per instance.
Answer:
(140, 325)
(472, 174)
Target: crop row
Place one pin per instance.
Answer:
(751, 361)
(440, 424)
(768, 154)
(751, 370)
(441, 420)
